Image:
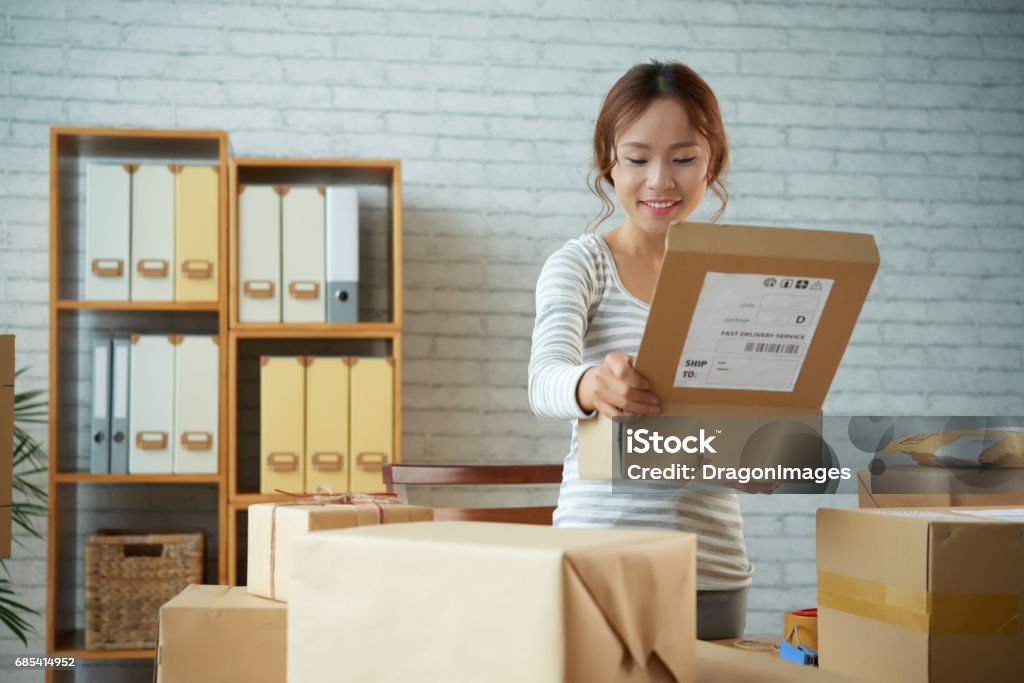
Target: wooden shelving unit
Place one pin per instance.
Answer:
(378, 332)
(72, 322)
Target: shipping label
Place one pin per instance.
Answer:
(751, 331)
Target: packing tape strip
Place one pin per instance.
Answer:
(944, 613)
(801, 628)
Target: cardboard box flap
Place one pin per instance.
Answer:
(777, 309)
(629, 583)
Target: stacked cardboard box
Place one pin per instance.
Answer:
(218, 633)
(925, 594)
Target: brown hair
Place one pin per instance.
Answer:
(630, 97)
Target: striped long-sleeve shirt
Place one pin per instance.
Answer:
(584, 313)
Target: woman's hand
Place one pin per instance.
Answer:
(614, 388)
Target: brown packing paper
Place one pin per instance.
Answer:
(214, 634)
(932, 593)
(918, 486)
(475, 601)
(965, 447)
(273, 525)
(695, 249)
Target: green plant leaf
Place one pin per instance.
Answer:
(31, 505)
(9, 610)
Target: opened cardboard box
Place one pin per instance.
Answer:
(452, 602)
(923, 486)
(985, 447)
(925, 594)
(745, 321)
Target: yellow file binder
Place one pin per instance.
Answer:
(196, 217)
(371, 442)
(327, 407)
(282, 423)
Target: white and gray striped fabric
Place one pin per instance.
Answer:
(583, 313)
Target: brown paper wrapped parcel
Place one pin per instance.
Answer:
(273, 525)
(213, 634)
(472, 601)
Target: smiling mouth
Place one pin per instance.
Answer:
(659, 205)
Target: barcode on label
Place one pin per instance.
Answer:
(765, 347)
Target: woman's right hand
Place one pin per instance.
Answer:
(614, 388)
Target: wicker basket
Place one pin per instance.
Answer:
(128, 577)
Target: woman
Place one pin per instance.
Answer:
(660, 143)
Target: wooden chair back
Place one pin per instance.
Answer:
(398, 476)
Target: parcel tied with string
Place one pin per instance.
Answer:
(923, 594)
(472, 601)
(272, 526)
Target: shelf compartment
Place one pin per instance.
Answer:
(72, 148)
(378, 183)
(244, 393)
(83, 508)
(71, 395)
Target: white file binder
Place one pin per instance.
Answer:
(151, 405)
(152, 245)
(259, 254)
(342, 257)
(119, 427)
(99, 442)
(196, 408)
(302, 262)
(107, 217)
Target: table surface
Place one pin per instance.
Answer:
(749, 664)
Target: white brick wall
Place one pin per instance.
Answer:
(902, 118)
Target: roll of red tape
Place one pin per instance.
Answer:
(801, 628)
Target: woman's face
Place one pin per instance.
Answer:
(661, 167)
